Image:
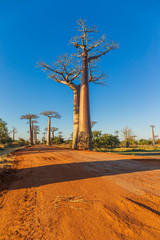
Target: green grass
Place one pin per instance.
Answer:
(131, 150)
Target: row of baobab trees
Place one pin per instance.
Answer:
(34, 129)
(128, 135)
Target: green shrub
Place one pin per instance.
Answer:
(103, 140)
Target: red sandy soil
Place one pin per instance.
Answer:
(63, 194)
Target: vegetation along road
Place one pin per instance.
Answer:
(65, 194)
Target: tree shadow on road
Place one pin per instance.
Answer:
(57, 173)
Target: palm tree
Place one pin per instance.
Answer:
(29, 117)
(50, 114)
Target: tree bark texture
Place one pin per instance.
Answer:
(153, 138)
(85, 135)
(30, 133)
(49, 132)
(52, 134)
(76, 92)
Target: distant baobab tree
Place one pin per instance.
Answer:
(50, 114)
(153, 137)
(32, 126)
(127, 135)
(14, 131)
(93, 123)
(156, 136)
(35, 130)
(44, 137)
(30, 117)
(53, 129)
(89, 50)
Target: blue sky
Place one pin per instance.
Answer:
(35, 30)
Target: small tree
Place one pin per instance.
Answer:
(29, 117)
(35, 132)
(4, 135)
(103, 140)
(14, 131)
(127, 135)
(53, 129)
(50, 114)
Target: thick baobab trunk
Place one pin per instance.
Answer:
(76, 92)
(30, 133)
(153, 138)
(49, 132)
(85, 135)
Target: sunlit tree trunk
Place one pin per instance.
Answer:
(34, 134)
(49, 132)
(35, 138)
(52, 134)
(30, 133)
(85, 135)
(76, 92)
(153, 138)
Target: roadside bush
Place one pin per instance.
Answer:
(103, 140)
(144, 142)
(57, 140)
(4, 136)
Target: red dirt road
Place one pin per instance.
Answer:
(75, 195)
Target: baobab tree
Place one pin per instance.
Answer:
(14, 131)
(127, 135)
(156, 137)
(44, 137)
(35, 130)
(53, 129)
(89, 51)
(66, 70)
(153, 137)
(50, 114)
(29, 117)
(32, 126)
